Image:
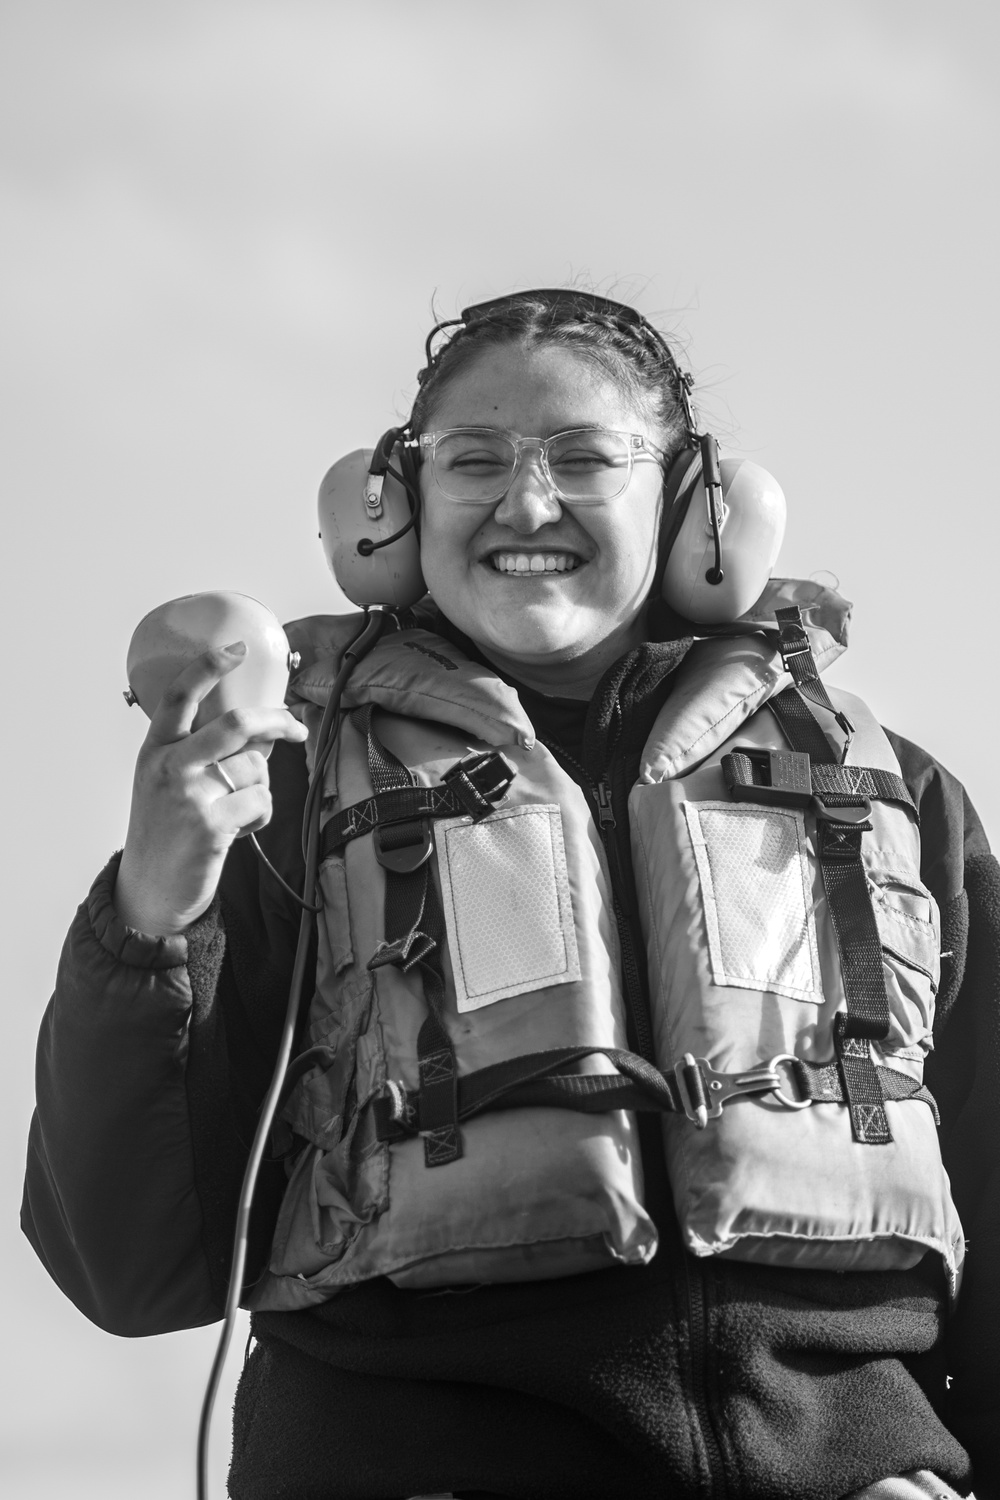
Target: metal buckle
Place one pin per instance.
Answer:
(797, 647)
(720, 1087)
(779, 1093)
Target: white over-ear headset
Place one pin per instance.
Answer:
(723, 519)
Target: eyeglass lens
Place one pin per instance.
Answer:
(591, 465)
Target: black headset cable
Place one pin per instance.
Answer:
(362, 644)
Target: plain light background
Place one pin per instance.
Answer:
(223, 227)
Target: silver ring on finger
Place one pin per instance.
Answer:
(224, 774)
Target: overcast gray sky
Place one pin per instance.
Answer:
(223, 227)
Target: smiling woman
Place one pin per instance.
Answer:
(627, 966)
(557, 625)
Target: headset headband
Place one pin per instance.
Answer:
(558, 298)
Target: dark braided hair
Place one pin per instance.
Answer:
(622, 345)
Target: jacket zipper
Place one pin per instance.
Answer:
(601, 797)
(635, 997)
(693, 1276)
(698, 1327)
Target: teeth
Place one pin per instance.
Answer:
(534, 562)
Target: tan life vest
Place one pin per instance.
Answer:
(746, 975)
(532, 963)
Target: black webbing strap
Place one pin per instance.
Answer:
(846, 883)
(790, 777)
(435, 1053)
(384, 768)
(414, 932)
(821, 1083)
(867, 1016)
(797, 657)
(538, 1079)
(801, 728)
(471, 787)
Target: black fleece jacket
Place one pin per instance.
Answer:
(685, 1377)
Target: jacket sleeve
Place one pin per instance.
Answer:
(153, 1058)
(110, 1202)
(963, 1073)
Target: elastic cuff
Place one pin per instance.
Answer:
(140, 949)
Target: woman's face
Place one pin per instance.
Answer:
(562, 625)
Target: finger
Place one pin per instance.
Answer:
(249, 768)
(174, 714)
(217, 770)
(232, 731)
(244, 811)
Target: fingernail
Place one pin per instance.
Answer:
(237, 648)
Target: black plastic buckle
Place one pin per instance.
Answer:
(480, 780)
(784, 776)
(794, 644)
(406, 857)
(852, 816)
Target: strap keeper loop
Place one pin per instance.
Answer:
(852, 1032)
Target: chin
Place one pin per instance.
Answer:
(527, 640)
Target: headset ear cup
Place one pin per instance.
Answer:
(389, 575)
(752, 529)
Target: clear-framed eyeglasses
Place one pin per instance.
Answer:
(586, 466)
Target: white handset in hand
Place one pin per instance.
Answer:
(173, 634)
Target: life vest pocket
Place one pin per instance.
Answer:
(910, 931)
(508, 911)
(756, 897)
(339, 1182)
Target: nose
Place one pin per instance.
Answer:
(529, 502)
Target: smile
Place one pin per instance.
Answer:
(534, 562)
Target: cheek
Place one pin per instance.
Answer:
(446, 536)
(440, 530)
(629, 549)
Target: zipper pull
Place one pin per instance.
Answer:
(605, 816)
